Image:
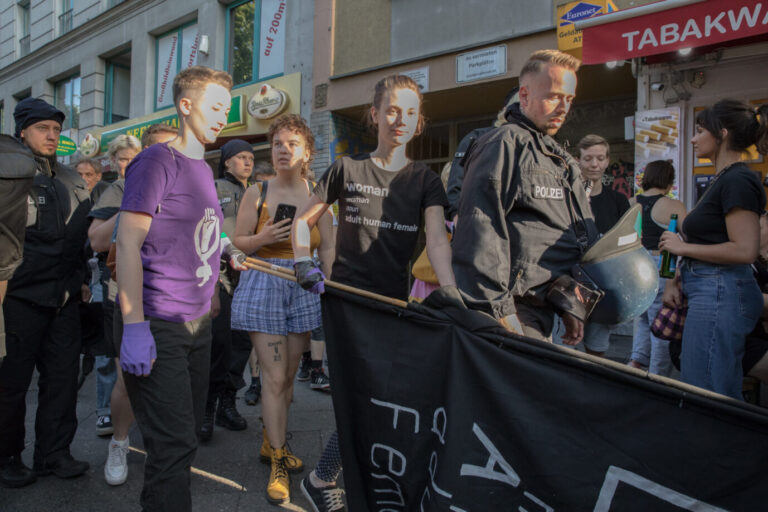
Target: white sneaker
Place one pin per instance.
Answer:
(116, 468)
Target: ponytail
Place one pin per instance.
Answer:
(761, 130)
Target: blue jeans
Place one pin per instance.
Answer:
(106, 376)
(647, 349)
(724, 303)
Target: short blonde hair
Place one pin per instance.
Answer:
(123, 142)
(555, 57)
(197, 78)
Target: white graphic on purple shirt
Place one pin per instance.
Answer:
(207, 234)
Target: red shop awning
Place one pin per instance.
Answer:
(670, 25)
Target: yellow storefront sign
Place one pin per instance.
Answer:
(568, 37)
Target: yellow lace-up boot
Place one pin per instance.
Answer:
(292, 462)
(279, 486)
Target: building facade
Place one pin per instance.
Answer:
(109, 64)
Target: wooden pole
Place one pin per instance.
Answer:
(285, 273)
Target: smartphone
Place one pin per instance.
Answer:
(284, 211)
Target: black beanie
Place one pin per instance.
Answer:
(31, 110)
(230, 149)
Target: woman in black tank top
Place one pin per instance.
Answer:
(648, 350)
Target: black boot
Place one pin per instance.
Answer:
(13, 472)
(227, 415)
(206, 429)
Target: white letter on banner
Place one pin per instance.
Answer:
(440, 435)
(508, 477)
(630, 37)
(397, 409)
(691, 29)
(670, 33)
(395, 490)
(392, 452)
(744, 14)
(648, 38)
(537, 501)
(432, 468)
(710, 23)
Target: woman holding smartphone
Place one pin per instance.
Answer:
(279, 314)
(382, 198)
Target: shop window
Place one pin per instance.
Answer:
(174, 51)
(23, 28)
(67, 99)
(255, 40)
(117, 89)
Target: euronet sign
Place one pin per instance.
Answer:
(634, 34)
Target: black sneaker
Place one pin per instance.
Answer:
(253, 393)
(104, 425)
(304, 369)
(320, 380)
(323, 499)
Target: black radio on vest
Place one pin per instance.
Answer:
(669, 261)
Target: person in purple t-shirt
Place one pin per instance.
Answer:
(168, 245)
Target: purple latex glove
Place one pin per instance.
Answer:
(137, 350)
(309, 276)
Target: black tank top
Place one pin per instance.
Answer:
(651, 231)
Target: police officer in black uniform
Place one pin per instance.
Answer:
(524, 217)
(229, 349)
(41, 308)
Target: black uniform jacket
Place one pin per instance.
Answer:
(524, 217)
(54, 263)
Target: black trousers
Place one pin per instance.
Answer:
(48, 338)
(169, 406)
(229, 351)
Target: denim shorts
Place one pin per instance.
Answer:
(273, 305)
(724, 304)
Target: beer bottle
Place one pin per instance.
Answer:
(668, 263)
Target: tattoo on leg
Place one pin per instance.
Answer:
(276, 346)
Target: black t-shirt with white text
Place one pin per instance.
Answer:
(379, 217)
(737, 187)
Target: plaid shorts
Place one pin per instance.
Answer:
(273, 305)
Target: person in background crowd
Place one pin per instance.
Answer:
(721, 241)
(755, 361)
(105, 211)
(168, 248)
(607, 207)
(90, 170)
(229, 348)
(262, 171)
(456, 176)
(414, 192)
(648, 351)
(122, 149)
(277, 313)
(157, 133)
(516, 243)
(41, 308)
(16, 177)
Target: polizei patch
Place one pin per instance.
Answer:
(543, 192)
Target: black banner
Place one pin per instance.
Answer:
(439, 409)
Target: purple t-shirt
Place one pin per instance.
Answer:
(180, 254)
